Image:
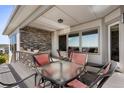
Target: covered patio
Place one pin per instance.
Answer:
(60, 29)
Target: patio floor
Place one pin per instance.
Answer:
(115, 81)
(7, 75)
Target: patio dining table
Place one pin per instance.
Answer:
(61, 72)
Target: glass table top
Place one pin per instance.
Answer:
(62, 71)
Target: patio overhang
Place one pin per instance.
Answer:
(46, 16)
(23, 15)
(72, 16)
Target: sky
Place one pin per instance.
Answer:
(90, 40)
(87, 41)
(5, 13)
(74, 41)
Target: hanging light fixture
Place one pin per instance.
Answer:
(60, 20)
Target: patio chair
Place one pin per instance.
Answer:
(10, 85)
(89, 76)
(101, 77)
(61, 57)
(108, 74)
(39, 61)
(79, 58)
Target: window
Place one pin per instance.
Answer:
(62, 43)
(73, 42)
(13, 43)
(90, 41)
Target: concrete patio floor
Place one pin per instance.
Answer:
(115, 81)
(6, 76)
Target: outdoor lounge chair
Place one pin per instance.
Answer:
(101, 77)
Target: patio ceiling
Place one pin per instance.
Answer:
(72, 15)
(45, 17)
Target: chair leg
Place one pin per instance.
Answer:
(54, 85)
(36, 79)
(51, 85)
(42, 81)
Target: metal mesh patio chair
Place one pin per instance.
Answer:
(79, 58)
(10, 85)
(39, 61)
(100, 78)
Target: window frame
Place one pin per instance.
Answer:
(13, 43)
(92, 29)
(80, 38)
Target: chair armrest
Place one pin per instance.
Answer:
(54, 59)
(16, 83)
(95, 81)
(106, 75)
(51, 60)
(100, 77)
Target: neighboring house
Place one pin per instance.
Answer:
(4, 48)
(48, 28)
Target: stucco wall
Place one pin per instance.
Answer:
(94, 58)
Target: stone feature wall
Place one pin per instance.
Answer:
(35, 39)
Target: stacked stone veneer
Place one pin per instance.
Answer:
(35, 39)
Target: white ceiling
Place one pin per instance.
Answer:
(71, 15)
(47, 24)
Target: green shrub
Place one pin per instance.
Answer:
(3, 58)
